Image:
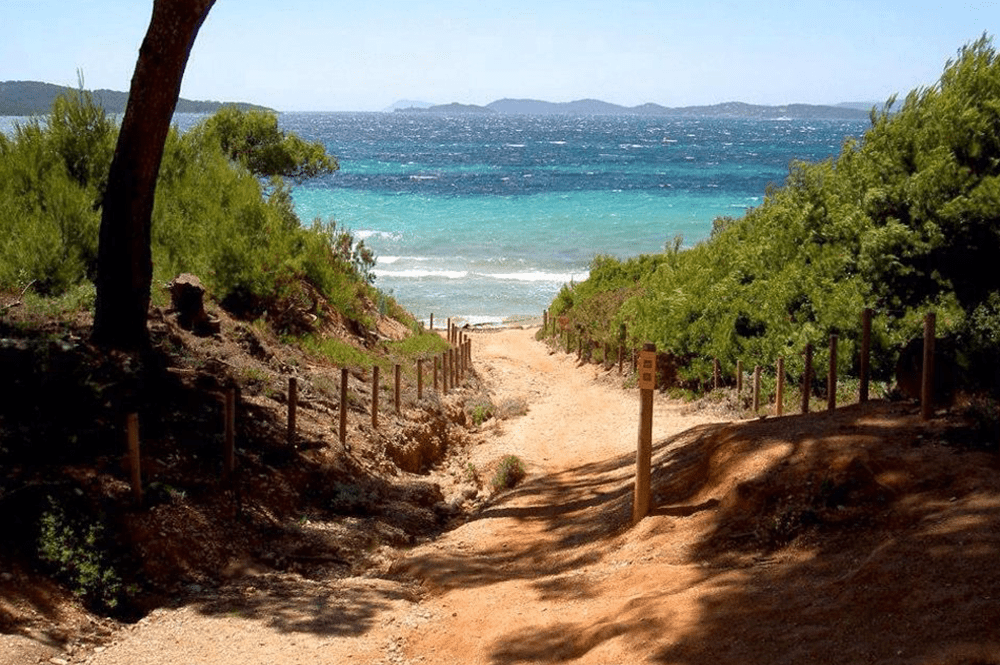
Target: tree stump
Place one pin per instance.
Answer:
(188, 299)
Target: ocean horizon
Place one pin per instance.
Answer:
(484, 218)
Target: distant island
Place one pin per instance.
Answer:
(846, 111)
(23, 98)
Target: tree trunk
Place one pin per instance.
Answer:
(124, 261)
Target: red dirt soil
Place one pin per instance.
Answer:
(862, 535)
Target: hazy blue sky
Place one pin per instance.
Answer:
(322, 55)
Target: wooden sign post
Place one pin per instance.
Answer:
(644, 453)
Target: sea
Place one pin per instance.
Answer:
(483, 218)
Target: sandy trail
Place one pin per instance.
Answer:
(546, 573)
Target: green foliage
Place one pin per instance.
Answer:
(223, 211)
(509, 473)
(77, 553)
(905, 221)
(253, 139)
(334, 350)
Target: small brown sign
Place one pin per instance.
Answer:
(647, 370)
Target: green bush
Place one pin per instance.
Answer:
(904, 221)
(77, 553)
(509, 473)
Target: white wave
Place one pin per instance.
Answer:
(365, 234)
(389, 260)
(423, 177)
(421, 274)
(537, 276)
(513, 145)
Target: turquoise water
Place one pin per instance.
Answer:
(485, 218)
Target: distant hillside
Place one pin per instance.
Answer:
(598, 107)
(35, 98)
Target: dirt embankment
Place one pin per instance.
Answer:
(862, 535)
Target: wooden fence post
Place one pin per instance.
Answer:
(135, 461)
(437, 363)
(343, 405)
(229, 441)
(445, 373)
(420, 379)
(716, 371)
(644, 452)
(375, 396)
(756, 389)
(293, 401)
(739, 379)
(432, 321)
(831, 379)
(807, 378)
(927, 381)
(866, 352)
(396, 386)
(780, 389)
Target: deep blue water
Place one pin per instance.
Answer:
(486, 217)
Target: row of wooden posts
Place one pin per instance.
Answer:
(583, 347)
(645, 365)
(450, 369)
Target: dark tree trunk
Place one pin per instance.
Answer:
(124, 262)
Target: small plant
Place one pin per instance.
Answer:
(472, 475)
(481, 412)
(75, 551)
(510, 472)
(512, 407)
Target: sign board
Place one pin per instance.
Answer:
(647, 370)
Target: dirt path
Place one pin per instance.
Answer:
(503, 588)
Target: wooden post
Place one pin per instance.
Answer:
(807, 378)
(621, 357)
(866, 352)
(756, 389)
(375, 396)
(927, 382)
(432, 321)
(445, 374)
(229, 442)
(293, 401)
(420, 379)
(453, 363)
(644, 452)
(715, 374)
(343, 405)
(545, 321)
(135, 462)
(437, 363)
(396, 385)
(739, 379)
(779, 406)
(831, 379)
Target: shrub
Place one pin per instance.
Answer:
(509, 473)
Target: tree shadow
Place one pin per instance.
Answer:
(863, 536)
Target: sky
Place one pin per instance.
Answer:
(323, 55)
